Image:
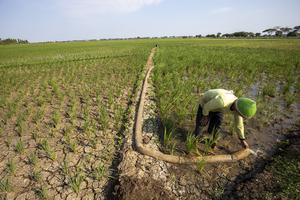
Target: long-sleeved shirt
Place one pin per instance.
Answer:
(220, 100)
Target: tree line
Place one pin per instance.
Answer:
(12, 41)
(270, 32)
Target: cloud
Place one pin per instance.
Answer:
(221, 10)
(81, 8)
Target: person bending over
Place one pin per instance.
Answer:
(214, 103)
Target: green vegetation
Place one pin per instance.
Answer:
(168, 141)
(11, 167)
(44, 145)
(253, 68)
(191, 143)
(75, 181)
(99, 172)
(42, 192)
(5, 185)
(20, 146)
(68, 101)
(32, 159)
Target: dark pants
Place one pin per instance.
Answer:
(214, 120)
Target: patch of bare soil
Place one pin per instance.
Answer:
(264, 183)
(143, 177)
(145, 189)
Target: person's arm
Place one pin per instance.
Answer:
(239, 128)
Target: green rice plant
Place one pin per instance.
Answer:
(56, 118)
(5, 185)
(20, 127)
(211, 140)
(32, 159)
(42, 192)
(269, 90)
(65, 168)
(36, 175)
(103, 118)
(191, 143)
(168, 141)
(49, 152)
(34, 135)
(72, 145)
(19, 147)
(99, 172)
(40, 100)
(11, 167)
(12, 107)
(289, 99)
(76, 180)
(38, 115)
(201, 165)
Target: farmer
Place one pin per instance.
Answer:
(214, 103)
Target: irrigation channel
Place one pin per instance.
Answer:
(142, 171)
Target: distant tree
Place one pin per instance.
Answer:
(278, 33)
(257, 34)
(211, 35)
(285, 30)
(219, 34)
(293, 34)
(270, 31)
(12, 41)
(226, 35)
(198, 36)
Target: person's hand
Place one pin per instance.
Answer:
(244, 144)
(204, 121)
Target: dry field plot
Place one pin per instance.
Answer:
(61, 114)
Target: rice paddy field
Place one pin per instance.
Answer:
(64, 107)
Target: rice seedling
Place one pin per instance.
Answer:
(65, 168)
(76, 180)
(5, 185)
(56, 118)
(269, 90)
(71, 144)
(36, 175)
(49, 152)
(38, 115)
(20, 127)
(289, 99)
(201, 165)
(11, 167)
(191, 143)
(103, 118)
(34, 136)
(168, 141)
(42, 192)
(19, 147)
(32, 159)
(99, 172)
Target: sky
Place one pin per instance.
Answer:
(59, 20)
